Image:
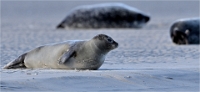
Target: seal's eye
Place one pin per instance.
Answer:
(109, 40)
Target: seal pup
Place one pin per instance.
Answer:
(105, 15)
(185, 31)
(78, 55)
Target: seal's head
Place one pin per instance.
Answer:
(185, 31)
(105, 43)
(179, 37)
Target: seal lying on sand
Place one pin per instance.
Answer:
(108, 15)
(67, 55)
(185, 31)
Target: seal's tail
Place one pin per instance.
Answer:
(17, 63)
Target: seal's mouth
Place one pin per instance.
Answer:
(114, 45)
(180, 41)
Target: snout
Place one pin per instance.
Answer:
(115, 44)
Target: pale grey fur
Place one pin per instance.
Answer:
(67, 55)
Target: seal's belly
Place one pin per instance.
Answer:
(82, 63)
(46, 57)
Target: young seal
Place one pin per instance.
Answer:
(107, 15)
(185, 31)
(79, 55)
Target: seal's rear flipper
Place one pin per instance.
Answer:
(17, 63)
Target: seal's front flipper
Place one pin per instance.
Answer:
(67, 55)
(17, 63)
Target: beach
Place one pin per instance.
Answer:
(146, 59)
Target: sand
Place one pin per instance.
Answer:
(146, 59)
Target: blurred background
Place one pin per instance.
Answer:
(47, 14)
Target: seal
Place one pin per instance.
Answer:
(185, 31)
(105, 15)
(79, 54)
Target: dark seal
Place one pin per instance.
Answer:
(185, 31)
(108, 15)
